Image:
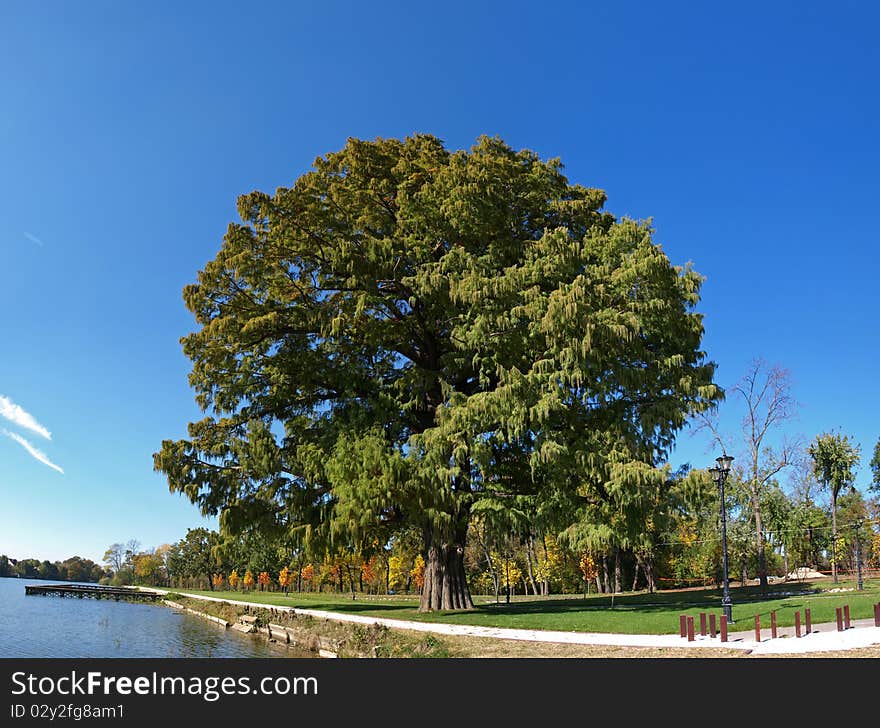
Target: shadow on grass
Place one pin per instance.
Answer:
(709, 599)
(787, 596)
(657, 601)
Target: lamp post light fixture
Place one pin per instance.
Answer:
(719, 475)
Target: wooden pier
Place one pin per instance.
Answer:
(91, 591)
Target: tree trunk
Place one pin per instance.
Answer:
(445, 584)
(834, 535)
(351, 581)
(606, 578)
(492, 570)
(636, 572)
(617, 589)
(530, 545)
(211, 582)
(762, 556)
(545, 585)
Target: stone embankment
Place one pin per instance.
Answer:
(305, 633)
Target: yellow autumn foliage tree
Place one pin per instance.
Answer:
(284, 578)
(509, 571)
(550, 567)
(398, 572)
(588, 567)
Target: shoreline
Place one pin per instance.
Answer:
(823, 642)
(286, 630)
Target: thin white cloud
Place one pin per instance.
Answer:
(33, 238)
(36, 454)
(20, 417)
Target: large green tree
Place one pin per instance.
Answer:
(875, 468)
(407, 332)
(834, 461)
(195, 555)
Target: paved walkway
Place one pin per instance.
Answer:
(823, 638)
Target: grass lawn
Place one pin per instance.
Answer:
(638, 613)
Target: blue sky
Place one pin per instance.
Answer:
(748, 133)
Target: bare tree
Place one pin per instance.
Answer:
(765, 392)
(114, 557)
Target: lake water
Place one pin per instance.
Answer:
(47, 626)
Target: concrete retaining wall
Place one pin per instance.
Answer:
(209, 617)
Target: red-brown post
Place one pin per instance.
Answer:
(773, 624)
(757, 628)
(702, 624)
(724, 628)
(846, 616)
(712, 630)
(690, 629)
(797, 624)
(809, 621)
(877, 614)
(839, 619)
(682, 625)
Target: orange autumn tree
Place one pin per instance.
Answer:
(284, 578)
(308, 575)
(248, 580)
(418, 572)
(218, 581)
(233, 579)
(369, 575)
(588, 571)
(264, 580)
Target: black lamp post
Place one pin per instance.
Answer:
(719, 475)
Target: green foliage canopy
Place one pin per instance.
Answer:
(408, 333)
(834, 461)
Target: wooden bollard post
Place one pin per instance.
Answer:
(797, 624)
(682, 625)
(690, 629)
(809, 622)
(839, 619)
(773, 624)
(724, 628)
(846, 624)
(702, 624)
(757, 628)
(712, 631)
(877, 614)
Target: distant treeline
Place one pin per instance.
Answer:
(76, 568)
